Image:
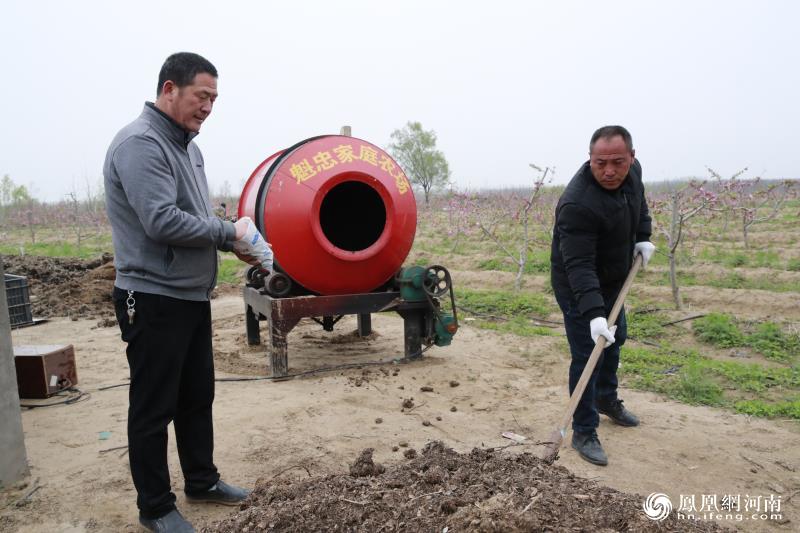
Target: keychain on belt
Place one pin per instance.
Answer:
(131, 303)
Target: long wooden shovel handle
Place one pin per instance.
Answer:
(600, 344)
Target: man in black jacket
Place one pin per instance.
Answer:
(602, 222)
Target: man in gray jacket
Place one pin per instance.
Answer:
(165, 245)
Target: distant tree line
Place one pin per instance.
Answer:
(78, 213)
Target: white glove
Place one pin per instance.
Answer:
(599, 326)
(252, 248)
(645, 248)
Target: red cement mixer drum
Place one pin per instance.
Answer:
(338, 211)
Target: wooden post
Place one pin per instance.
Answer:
(279, 346)
(13, 459)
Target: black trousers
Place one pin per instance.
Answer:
(602, 386)
(172, 380)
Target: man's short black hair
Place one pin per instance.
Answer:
(607, 132)
(182, 67)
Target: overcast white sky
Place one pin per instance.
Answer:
(502, 83)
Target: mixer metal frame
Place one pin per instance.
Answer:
(283, 314)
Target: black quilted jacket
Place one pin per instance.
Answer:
(593, 238)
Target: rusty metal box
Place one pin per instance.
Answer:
(44, 370)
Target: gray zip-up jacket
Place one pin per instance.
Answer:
(164, 233)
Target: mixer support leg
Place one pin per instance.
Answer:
(413, 326)
(364, 324)
(251, 322)
(279, 346)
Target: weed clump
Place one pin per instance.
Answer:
(689, 377)
(790, 409)
(767, 338)
(718, 329)
(696, 387)
(773, 343)
(502, 303)
(644, 325)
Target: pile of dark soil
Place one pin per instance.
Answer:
(441, 490)
(70, 287)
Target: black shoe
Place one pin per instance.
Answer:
(171, 522)
(589, 448)
(221, 493)
(617, 412)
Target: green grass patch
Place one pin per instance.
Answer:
(736, 280)
(696, 387)
(686, 376)
(502, 303)
(89, 248)
(650, 370)
(764, 258)
(505, 311)
(718, 329)
(662, 278)
(742, 258)
(436, 242)
(231, 270)
(733, 280)
(767, 338)
(538, 263)
(644, 325)
(788, 408)
(752, 377)
(521, 326)
(736, 260)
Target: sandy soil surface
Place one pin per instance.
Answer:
(293, 440)
(273, 433)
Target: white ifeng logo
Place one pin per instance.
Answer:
(657, 506)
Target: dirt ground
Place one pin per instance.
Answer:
(295, 441)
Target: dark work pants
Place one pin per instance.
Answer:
(172, 380)
(603, 384)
